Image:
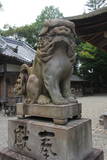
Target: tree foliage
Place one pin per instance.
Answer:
(93, 64)
(30, 32)
(92, 5)
(1, 5)
(47, 13)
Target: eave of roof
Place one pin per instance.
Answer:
(92, 27)
(88, 15)
(9, 59)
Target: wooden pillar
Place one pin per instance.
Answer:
(4, 87)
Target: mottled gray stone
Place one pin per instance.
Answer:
(96, 154)
(59, 113)
(7, 154)
(105, 120)
(41, 140)
(49, 78)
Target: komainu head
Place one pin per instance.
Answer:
(56, 32)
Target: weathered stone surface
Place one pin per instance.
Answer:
(59, 113)
(96, 154)
(44, 140)
(104, 117)
(101, 119)
(48, 80)
(7, 154)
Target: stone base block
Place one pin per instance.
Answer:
(96, 154)
(101, 119)
(47, 141)
(105, 120)
(59, 113)
(7, 154)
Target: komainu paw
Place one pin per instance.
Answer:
(43, 100)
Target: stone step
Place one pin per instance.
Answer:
(7, 154)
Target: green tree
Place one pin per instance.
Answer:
(48, 13)
(7, 26)
(1, 5)
(92, 5)
(93, 64)
(27, 32)
(30, 32)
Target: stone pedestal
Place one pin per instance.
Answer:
(105, 120)
(43, 140)
(59, 113)
(38, 138)
(8, 154)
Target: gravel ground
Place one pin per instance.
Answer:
(4, 130)
(92, 107)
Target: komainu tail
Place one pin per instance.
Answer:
(20, 86)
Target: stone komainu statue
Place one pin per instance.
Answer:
(48, 81)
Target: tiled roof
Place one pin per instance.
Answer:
(19, 50)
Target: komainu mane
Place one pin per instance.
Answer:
(48, 80)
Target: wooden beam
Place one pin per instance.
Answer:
(92, 29)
